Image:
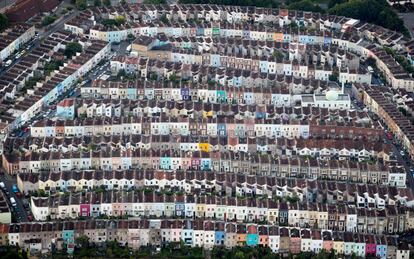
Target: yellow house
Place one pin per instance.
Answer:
(204, 147)
(338, 245)
(200, 210)
(207, 114)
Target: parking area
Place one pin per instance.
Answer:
(25, 49)
(18, 204)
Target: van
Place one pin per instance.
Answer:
(13, 202)
(2, 186)
(8, 62)
(370, 69)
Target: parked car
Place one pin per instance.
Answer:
(15, 189)
(13, 202)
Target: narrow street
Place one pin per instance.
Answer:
(20, 212)
(404, 161)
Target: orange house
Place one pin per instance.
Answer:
(263, 236)
(60, 128)
(278, 36)
(241, 235)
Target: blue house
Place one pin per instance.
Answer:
(187, 233)
(132, 93)
(165, 163)
(219, 236)
(303, 39)
(381, 246)
(180, 208)
(66, 109)
(185, 93)
(327, 40)
(200, 31)
(221, 96)
(252, 238)
(205, 164)
(221, 129)
(68, 236)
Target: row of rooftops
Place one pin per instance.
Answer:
(233, 59)
(221, 120)
(36, 143)
(164, 158)
(58, 77)
(283, 83)
(238, 42)
(154, 178)
(196, 10)
(12, 78)
(222, 13)
(13, 33)
(146, 196)
(200, 225)
(392, 111)
(258, 111)
(269, 27)
(4, 206)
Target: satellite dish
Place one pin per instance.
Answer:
(332, 95)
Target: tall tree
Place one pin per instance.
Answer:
(4, 22)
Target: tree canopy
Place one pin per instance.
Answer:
(264, 3)
(4, 22)
(155, 2)
(81, 4)
(72, 48)
(372, 11)
(306, 5)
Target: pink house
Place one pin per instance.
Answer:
(327, 240)
(370, 246)
(85, 210)
(195, 162)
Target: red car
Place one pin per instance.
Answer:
(30, 217)
(389, 136)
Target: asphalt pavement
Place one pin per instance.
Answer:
(404, 161)
(19, 211)
(5, 4)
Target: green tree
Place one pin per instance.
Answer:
(107, 2)
(239, 255)
(4, 22)
(306, 5)
(123, 2)
(120, 19)
(334, 76)
(278, 54)
(72, 48)
(49, 19)
(372, 11)
(155, 2)
(332, 3)
(164, 19)
(121, 73)
(81, 4)
(97, 3)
